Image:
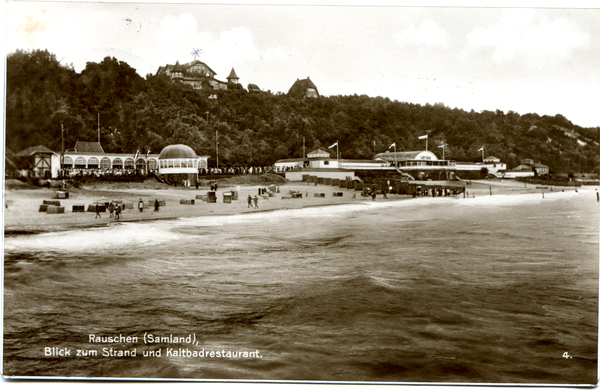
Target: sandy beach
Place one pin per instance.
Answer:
(22, 204)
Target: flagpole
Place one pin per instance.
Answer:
(395, 162)
(426, 141)
(337, 146)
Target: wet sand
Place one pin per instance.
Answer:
(22, 215)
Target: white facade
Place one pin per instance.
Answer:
(323, 163)
(332, 174)
(181, 165)
(515, 174)
(109, 161)
(492, 168)
(364, 164)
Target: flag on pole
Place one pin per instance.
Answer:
(441, 146)
(424, 136)
(147, 153)
(392, 145)
(480, 149)
(137, 154)
(335, 144)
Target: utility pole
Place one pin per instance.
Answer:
(217, 145)
(62, 151)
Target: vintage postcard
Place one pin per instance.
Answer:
(280, 193)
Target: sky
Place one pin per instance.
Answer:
(526, 60)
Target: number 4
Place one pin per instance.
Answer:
(567, 356)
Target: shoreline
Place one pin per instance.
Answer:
(21, 215)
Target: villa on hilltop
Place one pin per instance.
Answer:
(304, 89)
(196, 72)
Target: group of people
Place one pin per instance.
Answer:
(113, 210)
(156, 205)
(251, 199)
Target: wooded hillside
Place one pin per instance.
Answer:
(259, 128)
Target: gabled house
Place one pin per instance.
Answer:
(304, 89)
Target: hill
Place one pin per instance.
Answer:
(258, 128)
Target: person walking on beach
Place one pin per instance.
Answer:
(255, 201)
(141, 205)
(97, 211)
(111, 210)
(117, 211)
(249, 201)
(374, 194)
(156, 205)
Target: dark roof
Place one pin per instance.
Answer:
(182, 68)
(10, 159)
(177, 151)
(301, 86)
(232, 75)
(253, 87)
(91, 147)
(190, 64)
(178, 68)
(33, 150)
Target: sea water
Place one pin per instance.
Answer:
(494, 289)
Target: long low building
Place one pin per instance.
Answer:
(89, 158)
(423, 165)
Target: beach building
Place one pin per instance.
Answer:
(38, 162)
(528, 168)
(421, 164)
(320, 164)
(178, 163)
(89, 158)
(175, 159)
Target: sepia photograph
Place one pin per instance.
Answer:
(317, 193)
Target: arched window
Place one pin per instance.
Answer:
(93, 162)
(140, 164)
(129, 163)
(117, 163)
(68, 162)
(202, 164)
(80, 162)
(171, 164)
(105, 163)
(152, 164)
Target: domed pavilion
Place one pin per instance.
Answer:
(177, 163)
